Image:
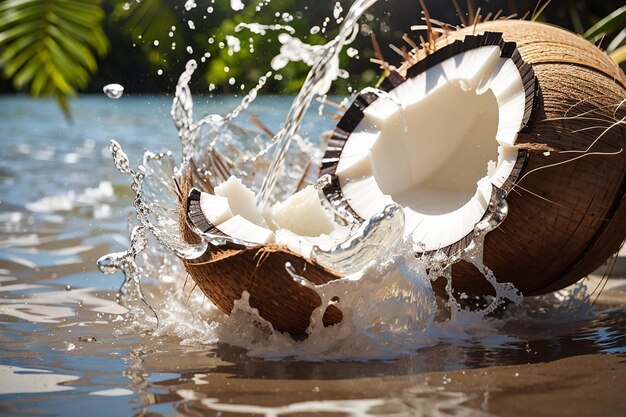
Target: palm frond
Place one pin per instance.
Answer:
(613, 22)
(50, 45)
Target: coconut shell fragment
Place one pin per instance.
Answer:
(224, 272)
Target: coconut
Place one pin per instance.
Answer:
(523, 109)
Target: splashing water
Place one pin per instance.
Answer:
(388, 305)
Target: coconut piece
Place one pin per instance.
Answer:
(240, 200)
(434, 142)
(225, 271)
(243, 229)
(303, 214)
(211, 215)
(215, 208)
(544, 121)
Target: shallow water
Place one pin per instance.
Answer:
(66, 343)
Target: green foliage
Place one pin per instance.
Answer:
(613, 22)
(148, 20)
(48, 45)
(619, 55)
(51, 47)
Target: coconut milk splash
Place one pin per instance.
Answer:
(389, 308)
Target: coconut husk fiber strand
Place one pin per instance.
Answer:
(223, 273)
(566, 211)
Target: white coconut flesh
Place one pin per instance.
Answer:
(437, 144)
(298, 223)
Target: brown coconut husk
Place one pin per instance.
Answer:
(567, 209)
(223, 273)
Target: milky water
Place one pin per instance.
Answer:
(75, 339)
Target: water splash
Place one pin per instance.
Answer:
(114, 91)
(388, 304)
(325, 69)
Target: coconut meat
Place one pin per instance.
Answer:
(303, 214)
(436, 144)
(299, 223)
(215, 208)
(241, 228)
(240, 200)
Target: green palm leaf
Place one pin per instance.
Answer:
(614, 21)
(49, 45)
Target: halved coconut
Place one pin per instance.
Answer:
(483, 112)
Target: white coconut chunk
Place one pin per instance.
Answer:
(238, 227)
(241, 200)
(303, 245)
(215, 208)
(302, 213)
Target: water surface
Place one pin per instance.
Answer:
(65, 345)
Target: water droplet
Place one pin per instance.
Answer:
(160, 72)
(190, 4)
(231, 81)
(156, 43)
(68, 287)
(236, 5)
(191, 25)
(113, 91)
(337, 10)
(314, 30)
(352, 52)
(107, 265)
(189, 50)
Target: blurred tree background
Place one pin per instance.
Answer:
(60, 47)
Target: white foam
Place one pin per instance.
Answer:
(68, 201)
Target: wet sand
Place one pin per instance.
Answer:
(589, 385)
